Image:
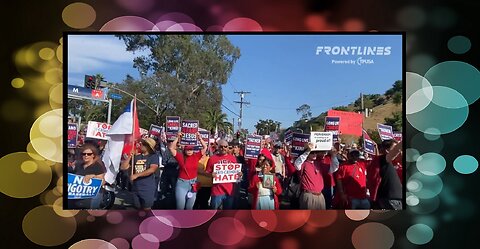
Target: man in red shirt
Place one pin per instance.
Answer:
(311, 180)
(352, 182)
(221, 192)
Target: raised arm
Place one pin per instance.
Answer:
(204, 145)
(394, 152)
(301, 159)
(173, 145)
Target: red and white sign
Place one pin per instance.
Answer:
(351, 122)
(98, 130)
(397, 136)
(226, 172)
(98, 94)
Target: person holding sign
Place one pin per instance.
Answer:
(311, 180)
(265, 189)
(143, 178)
(222, 193)
(90, 166)
(187, 185)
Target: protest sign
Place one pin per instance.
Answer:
(98, 130)
(369, 146)
(155, 132)
(385, 131)
(322, 141)
(332, 124)
(72, 135)
(299, 141)
(205, 135)
(397, 136)
(274, 136)
(226, 172)
(189, 130)
(77, 189)
(288, 137)
(143, 132)
(172, 127)
(351, 122)
(253, 146)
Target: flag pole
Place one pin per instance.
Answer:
(133, 129)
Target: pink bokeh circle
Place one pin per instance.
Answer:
(252, 228)
(186, 218)
(266, 219)
(120, 243)
(129, 23)
(153, 226)
(322, 218)
(226, 231)
(145, 241)
(242, 24)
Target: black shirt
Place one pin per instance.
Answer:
(390, 185)
(96, 168)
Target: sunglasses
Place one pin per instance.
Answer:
(230, 147)
(87, 154)
(223, 146)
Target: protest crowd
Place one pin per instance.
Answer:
(180, 166)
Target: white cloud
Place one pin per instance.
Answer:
(88, 53)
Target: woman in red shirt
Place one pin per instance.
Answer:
(185, 190)
(265, 197)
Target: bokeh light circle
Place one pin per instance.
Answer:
(419, 234)
(431, 164)
(186, 218)
(253, 229)
(432, 134)
(226, 231)
(357, 215)
(424, 145)
(45, 135)
(419, 92)
(420, 63)
(412, 200)
(242, 24)
(382, 214)
(284, 221)
(93, 243)
(411, 17)
(56, 96)
(78, 15)
(44, 227)
(16, 183)
(366, 236)
(159, 227)
(18, 83)
(97, 212)
(431, 185)
(441, 113)
(429, 220)
(46, 53)
(412, 154)
(323, 218)
(145, 241)
(120, 243)
(128, 23)
(456, 75)
(29, 167)
(414, 185)
(459, 44)
(58, 208)
(465, 164)
(114, 217)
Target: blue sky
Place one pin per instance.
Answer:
(282, 72)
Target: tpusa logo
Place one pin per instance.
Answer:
(356, 55)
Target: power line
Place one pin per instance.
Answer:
(230, 110)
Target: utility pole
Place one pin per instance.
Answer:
(241, 102)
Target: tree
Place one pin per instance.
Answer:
(216, 121)
(98, 79)
(397, 98)
(396, 87)
(341, 108)
(305, 111)
(183, 74)
(395, 121)
(264, 127)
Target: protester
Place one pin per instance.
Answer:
(279, 160)
(221, 192)
(187, 185)
(324, 159)
(389, 194)
(91, 166)
(311, 180)
(168, 180)
(265, 198)
(143, 179)
(205, 191)
(241, 188)
(352, 183)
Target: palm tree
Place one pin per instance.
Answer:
(217, 121)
